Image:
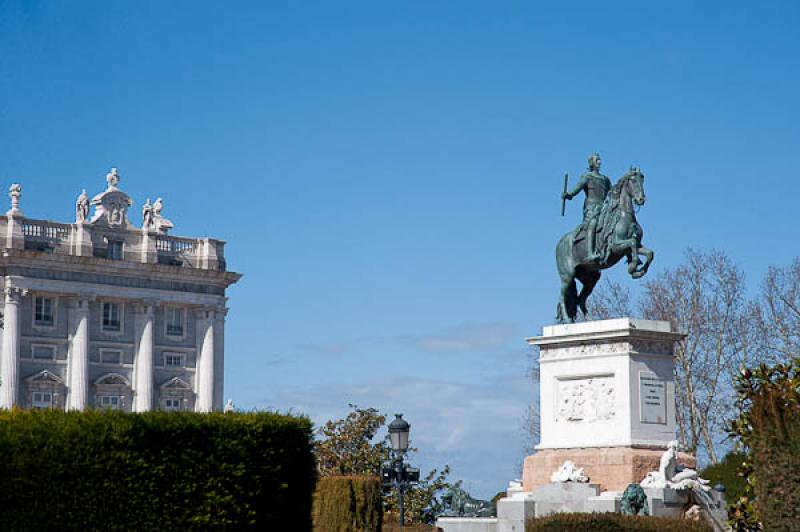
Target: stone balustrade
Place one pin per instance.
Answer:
(45, 230)
(84, 239)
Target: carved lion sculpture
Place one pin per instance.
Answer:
(459, 503)
(634, 501)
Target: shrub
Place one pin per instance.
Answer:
(348, 504)
(154, 471)
(608, 522)
(726, 473)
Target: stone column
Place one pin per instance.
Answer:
(144, 318)
(79, 354)
(219, 359)
(9, 359)
(205, 364)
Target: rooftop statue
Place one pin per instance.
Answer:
(147, 215)
(609, 231)
(161, 224)
(112, 178)
(82, 207)
(111, 206)
(15, 193)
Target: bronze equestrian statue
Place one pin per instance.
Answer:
(608, 233)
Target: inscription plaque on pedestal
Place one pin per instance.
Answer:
(652, 398)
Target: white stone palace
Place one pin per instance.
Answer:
(102, 314)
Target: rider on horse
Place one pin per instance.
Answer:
(596, 186)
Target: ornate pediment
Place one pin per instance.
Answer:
(45, 377)
(111, 206)
(176, 383)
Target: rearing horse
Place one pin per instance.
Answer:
(619, 235)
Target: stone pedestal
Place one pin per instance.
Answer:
(563, 497)
(513, 511)
(666, 502)
(607, 400)
(606, 502)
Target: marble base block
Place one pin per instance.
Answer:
(563, 497)
(514, 511)
(665, 502)
(606, 502)
(467, 524)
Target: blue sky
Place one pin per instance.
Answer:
(386, 174)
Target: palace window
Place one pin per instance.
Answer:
(43, 352)
(43, 314)
(42, 400)
(174, 319)
(110, 402)
(114, 250)
(174, 360)
(111, 317)
(173, 405)
(110, 356)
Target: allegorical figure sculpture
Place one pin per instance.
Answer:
(147, 215)
(672, 475)
(609, 231)
(152, 219)
(82, 207)
(569, 472)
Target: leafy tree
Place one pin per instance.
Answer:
(346, 447)
(421, 500)
(778, 313)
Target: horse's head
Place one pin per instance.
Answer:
(634, 183)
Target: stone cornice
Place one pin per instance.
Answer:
(578, 334)
(12, 258)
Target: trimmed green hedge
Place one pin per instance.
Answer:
(154, 471)
(608, 522)
(348, 504)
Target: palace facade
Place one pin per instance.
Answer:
(100, 313)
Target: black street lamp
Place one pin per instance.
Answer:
(398, 433)
(397, 473)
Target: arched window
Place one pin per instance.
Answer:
(112, 391)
